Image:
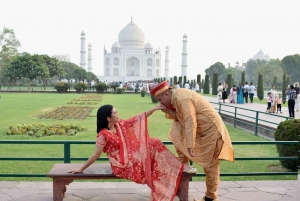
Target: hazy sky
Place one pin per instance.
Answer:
(224, 30)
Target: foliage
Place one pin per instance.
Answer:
(89, 99)
(243, 78)
(175, 79)
(236, 74)
(288, 80)
(100, 87)
(80, 87)
(275, 81)
(114, 87)
(291, 65)
(284, 85)
(260, 87)
(40, 130)
(61, 87)
(198, 78)
(79, 74)
(68, 112)
(143, 93)
(91, 76)
(184, 79)
(153, 99)
(288, 131)
(180, 80)
(202, 84)
(206, 85)
(270, 71)
(215, 84)
(68, 68)
(218, 67)
(229, 80)
(9, 46)
(136, 90)
(119, 91)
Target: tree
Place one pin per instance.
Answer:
(202, 84)
(229, 80)
(218, 67)
(175, 79)
(270, 71)
(288, 80)
(79, 74)
(260, 87)
(291, 65)
(206, 85)
(275, 82)
(68, 68)
(198, 78)
(243, 78)
(91, 76)
(284, 85)
(215, 84)
(180, 81)
(236, 74)
(29, 66)
(184, 79)
(9, 46)
(251, 70)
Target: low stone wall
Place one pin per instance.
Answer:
(250, 126)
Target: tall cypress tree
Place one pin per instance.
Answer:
(284, 86)
(180, 81)
(171, 82)
(194, 83)
(215, 84)
(175, 79)
(206, 85)
(202, 84)
(275, 82)
(198, 78)
(184, 79)
(288, 80)
(243, 78)
(229, 80)
(260, 87)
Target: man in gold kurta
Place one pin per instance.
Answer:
(197, 132)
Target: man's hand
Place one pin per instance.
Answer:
(190, 150)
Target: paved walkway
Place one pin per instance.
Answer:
(128, 191)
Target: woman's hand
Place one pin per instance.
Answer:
(160, 107)
(74, 171)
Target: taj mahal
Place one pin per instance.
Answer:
(130, 59)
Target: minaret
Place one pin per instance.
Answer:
(167, 62)
(90, 64)
(82, 51)
(184, 56)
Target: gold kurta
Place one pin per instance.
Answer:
(197, 125)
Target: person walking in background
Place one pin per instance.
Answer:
(274, 99)
(269, 102)
(246, 90)
(177, 85)
(240, 94)
(233, 94)
(224, 92)
(187, 85)
(291, 92)
(297, 99)
(279, 102)
(219, 94)
(197, 87)
(251, 92)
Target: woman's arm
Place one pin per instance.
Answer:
(97, 153)
(157, 107)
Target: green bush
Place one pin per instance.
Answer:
(143, 93)
(101, 87)
(288, 131)
(136, 90)
(114, 87)
(119, 91)
(154, 99)
(80, 87)
(61, 87)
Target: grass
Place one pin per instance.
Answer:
(19, 108)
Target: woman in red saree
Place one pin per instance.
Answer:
(135, 156)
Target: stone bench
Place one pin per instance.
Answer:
(61, 178)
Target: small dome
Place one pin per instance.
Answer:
(90, 45)
(167, 47)
(184, 36)
(82, 33)
(148, 46)
(116, 45)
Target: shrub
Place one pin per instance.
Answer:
(288, 131)
(61, 87)
(143, 93)
(80, 87)
(101, 87)
(136, 90)
(119, 91)
(114, 87)
(154, 99)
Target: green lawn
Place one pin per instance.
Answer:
(24, 108)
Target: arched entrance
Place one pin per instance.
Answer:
(133, 67)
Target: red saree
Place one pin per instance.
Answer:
(134, 156)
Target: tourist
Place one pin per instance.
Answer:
(291, 92)
(197, 132)
(224, 92)
(197, 87)
(297, 99)
(274, 99)
(187, 85)
(246, 90)
(233, 94)
(279, 102)
(251, 92)
(269, 101)
(177, 85)
(240, 94)
(134, 156)
(219, 94)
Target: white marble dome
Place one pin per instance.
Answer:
(116, 45)
(148, 46)
(131, 36)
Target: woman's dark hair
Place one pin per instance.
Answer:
(292, 86)
(103, 112)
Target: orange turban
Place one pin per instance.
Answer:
(159, 88)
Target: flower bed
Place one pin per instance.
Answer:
(91, 99)
(39, 130)
(68, 112)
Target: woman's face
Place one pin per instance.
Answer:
(114, 116)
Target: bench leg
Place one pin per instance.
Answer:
(183, 188)
(59, 188)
